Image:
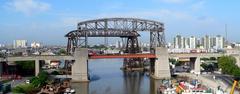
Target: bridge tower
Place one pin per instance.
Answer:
(123, 28)
(132, 47)
(80, 65)
(160, 68)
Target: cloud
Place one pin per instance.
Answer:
(27, 7)
(173, 1)
(198, 5)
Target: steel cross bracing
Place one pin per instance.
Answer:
(115, 27)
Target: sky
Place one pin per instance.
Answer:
(47, 21)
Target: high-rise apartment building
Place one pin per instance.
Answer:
(187, 43)
(207, 42)
(177, 41)
(19, 43)
(193, 41)
(219, 42)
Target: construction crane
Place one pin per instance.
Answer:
(235, 83)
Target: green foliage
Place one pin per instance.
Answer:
(26, 65)
(204, 59)
(204, 66)
(36, 82)
(40, 80)
(207, 67)
(6, 81)
(55, 73)
(62, 52)
(173, 61)
(228, 65)
(2, 54)
(25, 68)
(100, 47)
(24, 88)
(178, 63)
(213, 58)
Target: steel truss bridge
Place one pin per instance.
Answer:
(127, 28)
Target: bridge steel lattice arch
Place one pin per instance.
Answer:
(115, 27)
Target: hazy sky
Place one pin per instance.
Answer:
(47, 21)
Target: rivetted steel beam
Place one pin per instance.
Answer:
(116, 27)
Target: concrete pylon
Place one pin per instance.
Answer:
(161, 66)
(197, 66)
(81, 88)
(37, 67)
(80, 66)
(154, 86)
(237, 60)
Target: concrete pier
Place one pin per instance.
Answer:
(80, 66)
(197, 66)
(81, 88)
(154, 86)
(161, 68)
(237, 60)
(37, 67)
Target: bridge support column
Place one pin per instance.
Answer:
(161, 68)
(37, 67)
(197, 66)
(80, 66)
(81, 88)
(237, 60)
(154, 86)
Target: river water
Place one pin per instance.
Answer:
(107, 78)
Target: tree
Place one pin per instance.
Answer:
(204, 59)
(25, 67)
(213, 58)
(228, 65)
(2, 54)
(36, 83)
(40, 80)
(24, 89)
(173, 61)
(204, 66)
(178, 63)
(62, 52)
(55, 73)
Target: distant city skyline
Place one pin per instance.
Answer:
(47, 21)
(204, 42)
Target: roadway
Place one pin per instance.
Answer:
(15, 83)
(40, 57)
(141, 55)
(225, 80)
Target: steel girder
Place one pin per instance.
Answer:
(116, 27)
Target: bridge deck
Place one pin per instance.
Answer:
(142, 55)
(123, 56)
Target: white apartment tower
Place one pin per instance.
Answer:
(219, 42)
(19, 43)
(207, 42)
(192, 40)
